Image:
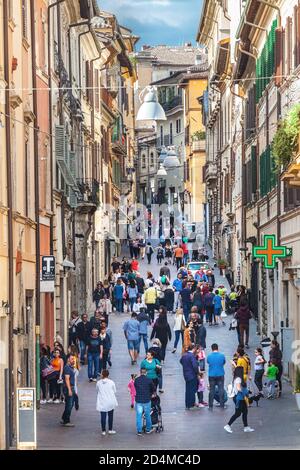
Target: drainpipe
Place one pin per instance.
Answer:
(9, 437)
(37, 204)
(50, 118)
(271, 5)
(247, 52)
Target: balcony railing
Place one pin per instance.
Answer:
(173, 103)
(88, 191)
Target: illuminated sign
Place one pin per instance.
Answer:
(269, 251)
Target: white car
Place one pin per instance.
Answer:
(195, 266)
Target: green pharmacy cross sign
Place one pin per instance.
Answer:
(269, 252)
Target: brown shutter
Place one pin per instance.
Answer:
(295, 36)
(289, 44)
(87, 78)
(278, 55)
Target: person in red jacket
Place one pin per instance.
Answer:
(134, 264)
(185, 252)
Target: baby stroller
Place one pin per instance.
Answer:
(155, 413)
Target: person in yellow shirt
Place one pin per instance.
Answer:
(150, 300)
(241, 359)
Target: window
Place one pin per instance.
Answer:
(143, 161)
(26, 185)
(151, 159)
(161, 135)
(24, 19)
(178, 126)
(171, 133)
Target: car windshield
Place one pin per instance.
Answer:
(197, 266)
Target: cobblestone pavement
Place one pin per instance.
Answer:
(276, 423)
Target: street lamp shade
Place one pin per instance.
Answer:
(150, 109)
(171, 161)
(161, 171)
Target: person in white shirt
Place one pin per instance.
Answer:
(106, 401)
(139, 305)
(259, 367)
(179, 327)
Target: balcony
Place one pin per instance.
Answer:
(211, 174)
(88, 195)
(173, 103)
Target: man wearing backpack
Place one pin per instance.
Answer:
(165, 271)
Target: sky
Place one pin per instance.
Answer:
(171, 22)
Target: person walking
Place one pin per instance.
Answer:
(131, 389)
(197, 300)
(159, 253)
(68, 390)
(259, 367)
(190, 373)
(140, 283)
(73, 324)
(169, 297)
(144, 320)
(142, 246)
(131, 330)
(271, 374)
(94, 354)
(275, 356)
(144, 388)
(165, 271)
(149, 252)
(216, 373)
(55, 377)
(106, 343)
(118, 295)
(179, 327)
(162, 331)
(98, 293)
(189, 336)
(186, 299)
(209, 305)
(152, 366)
(106, 401)
(240, 400)
(150, 300)
(83, 331)
(132, 291)
(177, 285)
(243, 316)
(178, 254)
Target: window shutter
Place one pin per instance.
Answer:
(60, 142)
(72, 166)
(253, 169)
(278, 55)
(87, 79)
(289, 45)
(97, 93)
(295, 36)
(297, 20)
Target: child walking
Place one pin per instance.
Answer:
(131, 389)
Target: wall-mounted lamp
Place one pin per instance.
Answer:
(5, 307)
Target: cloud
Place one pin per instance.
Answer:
(171, 20)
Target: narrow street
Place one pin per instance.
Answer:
(182, 429)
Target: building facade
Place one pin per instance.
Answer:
(253, 89)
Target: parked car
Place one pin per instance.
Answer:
(195, 266)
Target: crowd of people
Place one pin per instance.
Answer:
(161, 310)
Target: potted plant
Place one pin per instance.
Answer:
(297, 387)
(285, 142)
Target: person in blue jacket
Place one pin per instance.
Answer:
(118, 295)
(190, 373)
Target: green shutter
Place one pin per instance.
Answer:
(273, 171)
(253, 169)
(60, 142)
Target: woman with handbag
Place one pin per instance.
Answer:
(152, 367)
(240, 395)
(179, 327)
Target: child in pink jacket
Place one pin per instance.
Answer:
(131, 389)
